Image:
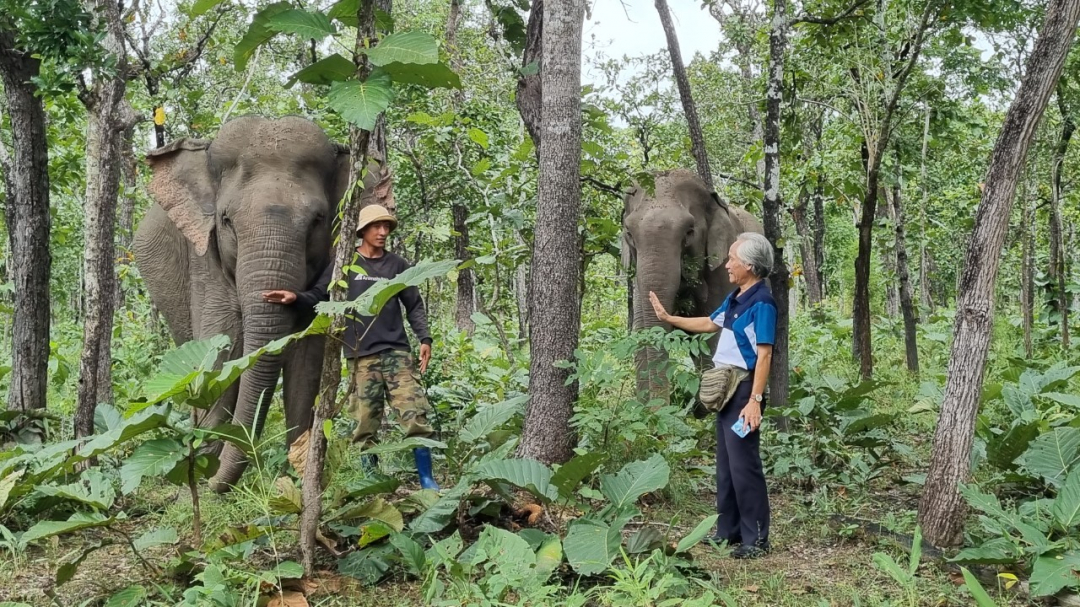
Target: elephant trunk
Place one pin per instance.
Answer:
(271, 263)
(656, 275)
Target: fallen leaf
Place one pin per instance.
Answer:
(957, 578)
(289, 598)
(301, 585)
(533, 510)
(298, 453)
(752, 588)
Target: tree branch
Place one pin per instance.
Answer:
(805, 18)
(748, 184)
(603, 187)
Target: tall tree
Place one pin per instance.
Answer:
(907, 307)
(942, 510)
(554, 302)
(460, 213)
(1057, 249)
(26, 177)
(1027, 267)
(924, 256)
(697, 139)
(106, 125)
(878, 114)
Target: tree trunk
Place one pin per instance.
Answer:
(129, 171)
(942, 510)
(465, 281)
(530, 88)
(521, 293)
(819, 237)
(907, 307)
(697, 139)
(862, 347)
(892, 290)
(1027, 270)
(28, 222)
(360, 147)
(773, 203)
(925, 294)
(554, 305)
(104, 156)
(800, 215)
(1057, 250)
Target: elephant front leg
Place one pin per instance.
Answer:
(302, 376)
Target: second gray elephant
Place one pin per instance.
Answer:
(249, 212)
(677, 239)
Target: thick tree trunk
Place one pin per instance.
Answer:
(554, 305)
(942, 510)
(360, 142)
(907, 307)
(28, 222)
(1057, 249)
(773, 203)
(104, 156)
(800, 214)
(862, 347)
(697, 139)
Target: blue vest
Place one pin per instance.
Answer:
(745, 321)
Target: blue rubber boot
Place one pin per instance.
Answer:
(423, 468)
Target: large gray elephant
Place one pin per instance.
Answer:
(249, 212)
(677, 239)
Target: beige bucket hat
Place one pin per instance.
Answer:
(373, 213)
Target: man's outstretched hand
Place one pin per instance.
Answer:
(279, 297)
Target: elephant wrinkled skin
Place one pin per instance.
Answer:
(677, 238)
(250, 211)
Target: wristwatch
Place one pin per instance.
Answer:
(757, 397)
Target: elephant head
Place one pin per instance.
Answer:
(677, 238)
(256, 206)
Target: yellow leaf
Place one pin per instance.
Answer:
(1010, 580)
(159, 115)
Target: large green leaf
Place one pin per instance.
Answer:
(412, 553)
(155, 457)
(361, 102)
(1066, 508)
(373, 300)
(697, 534)
(156, 537)
(634, 480)
(142, 421)
(488, 419)
(1003, 450)
(77, 521)
(998, 551)
(377, 509)
(93, 489)
(327, 70)
(372, 485)
(132, 596)
(184, 365)
(527, 474)
(259, 32)
(7, 484)
(437, 517)
(206, 464)
(548, 558)
(429, 75)
(202, 6)
(1069, 400)
(368, 565)
(405, 47)
(1054, 454)
(567, 478)
(1052, 573)
(646, 539)
(590, 545)
(345, 11)
(307, 25)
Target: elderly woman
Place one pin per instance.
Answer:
(747, 324)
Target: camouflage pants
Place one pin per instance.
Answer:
(389, 375)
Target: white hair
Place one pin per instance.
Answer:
(755, 251)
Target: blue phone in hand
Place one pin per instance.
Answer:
(740, 429)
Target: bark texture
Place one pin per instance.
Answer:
(530, 87)
(773, 203)
(1027, 269)
(554, 304)
(907, 306)
(360, 142)
(942, 510)
(925, 294)
(697, 139)
(1057, 249)
(465, 281)
(28, 222)
(104, 156)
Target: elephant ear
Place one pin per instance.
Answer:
(183, 186)
(724, 227)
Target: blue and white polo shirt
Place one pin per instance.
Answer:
(745, 321)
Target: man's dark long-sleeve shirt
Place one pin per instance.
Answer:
(365, 335)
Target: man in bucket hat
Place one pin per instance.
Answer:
(377, 349)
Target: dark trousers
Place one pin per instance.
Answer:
(742, 500)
